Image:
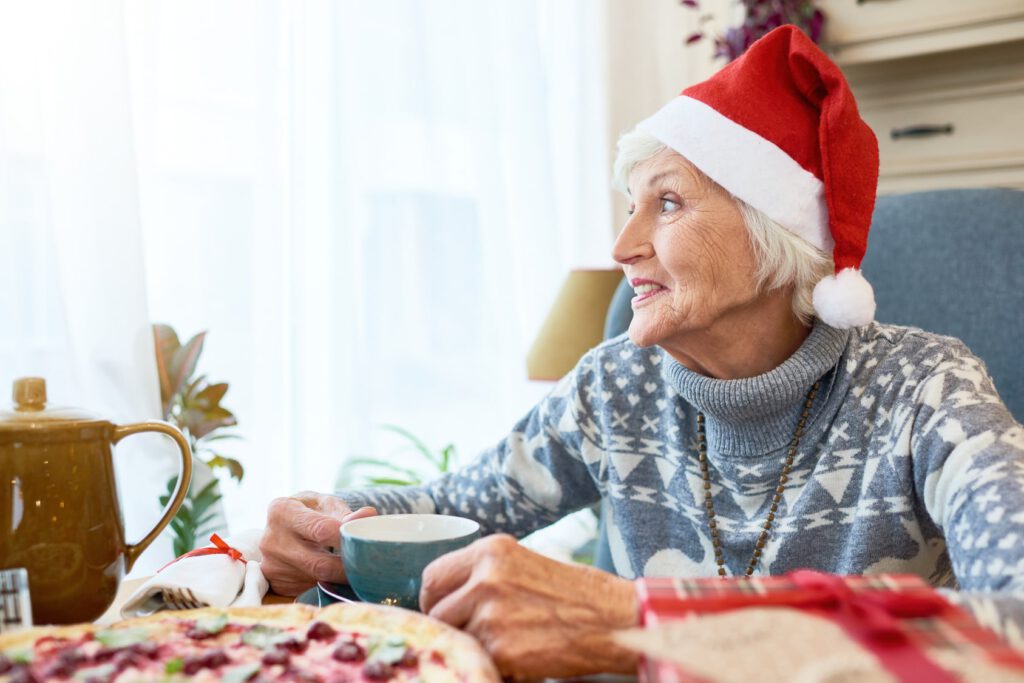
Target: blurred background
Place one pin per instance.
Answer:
(367, 206)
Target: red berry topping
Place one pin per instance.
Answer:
(320, 631)
(348, 652)
(215, 658)
(276, 656)
(294, 645)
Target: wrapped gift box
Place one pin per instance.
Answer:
(809, 626)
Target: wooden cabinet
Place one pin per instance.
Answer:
(941, 82)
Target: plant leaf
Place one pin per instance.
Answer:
(185, 515)
(204, 499)
(167, 345)
(183, 364)
(212, 394)
(234, 467)
(416, 442)
(221, 437)
(384, 464)
(388, 481)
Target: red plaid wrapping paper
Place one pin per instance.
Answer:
(667, 599)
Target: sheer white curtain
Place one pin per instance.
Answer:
(369, 206)
(72, 287)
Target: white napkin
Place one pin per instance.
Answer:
(216, 580)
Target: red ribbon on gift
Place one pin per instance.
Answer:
(220, 548)
(870, 617)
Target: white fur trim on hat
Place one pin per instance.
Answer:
(747, 165)
(845, 299)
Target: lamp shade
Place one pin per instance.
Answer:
(574, 325)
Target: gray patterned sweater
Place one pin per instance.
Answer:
(909, 463)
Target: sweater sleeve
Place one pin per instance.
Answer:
(531, 478)
(968, 468)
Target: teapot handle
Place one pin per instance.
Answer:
(133, 550)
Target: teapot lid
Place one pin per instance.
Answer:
(31, 412)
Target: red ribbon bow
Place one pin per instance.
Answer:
(220, 548)
(875, 614)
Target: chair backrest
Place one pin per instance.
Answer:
(947, 261)
(950, 261)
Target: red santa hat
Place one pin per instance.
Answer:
(779, 129)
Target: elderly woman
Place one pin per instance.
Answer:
(753, 421)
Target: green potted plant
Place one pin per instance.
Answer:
(365, 471)
(193, 404)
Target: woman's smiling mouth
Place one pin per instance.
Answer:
(645, 289)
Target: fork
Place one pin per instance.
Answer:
(181, 598)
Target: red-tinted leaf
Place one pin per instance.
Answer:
(211, 395)
(202, 422)
(690, 3)
(694, 37)
(167, 346)
(183, 365)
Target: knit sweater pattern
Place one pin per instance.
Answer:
(909, 462)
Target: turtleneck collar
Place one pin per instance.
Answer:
(757, 415)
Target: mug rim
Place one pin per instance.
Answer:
(350, 531)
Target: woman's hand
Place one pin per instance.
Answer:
(537, 617)
(297, 546)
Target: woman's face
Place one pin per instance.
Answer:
(687, 254)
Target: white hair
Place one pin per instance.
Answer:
(783, 258)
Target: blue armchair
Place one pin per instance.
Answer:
(947, 261)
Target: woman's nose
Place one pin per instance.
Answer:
(632, 244)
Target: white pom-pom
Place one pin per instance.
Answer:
(845, 300)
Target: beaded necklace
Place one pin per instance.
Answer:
(702, 451)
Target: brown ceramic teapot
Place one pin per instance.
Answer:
(59, 513)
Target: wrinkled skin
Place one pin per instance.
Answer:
(297, 545)
(686, 239)
(535, 616)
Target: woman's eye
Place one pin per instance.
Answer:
(667, 205)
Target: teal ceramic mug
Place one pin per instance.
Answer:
(385, 555)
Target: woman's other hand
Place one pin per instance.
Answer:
(537, 617)
(298, 544)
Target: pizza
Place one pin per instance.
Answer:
(343, 642)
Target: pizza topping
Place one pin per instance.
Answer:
(61, 667)
(207, 660)
(205, 628)
(293, 644)
(238, 674)
(5, 664)
(409, 659)
(121, 637)
(175, 665)
(276, 656)
(320, 631)
(389, 650)
(21, 674)
(103, 672)
(348, 652)
(377, 670)
(268, 637)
